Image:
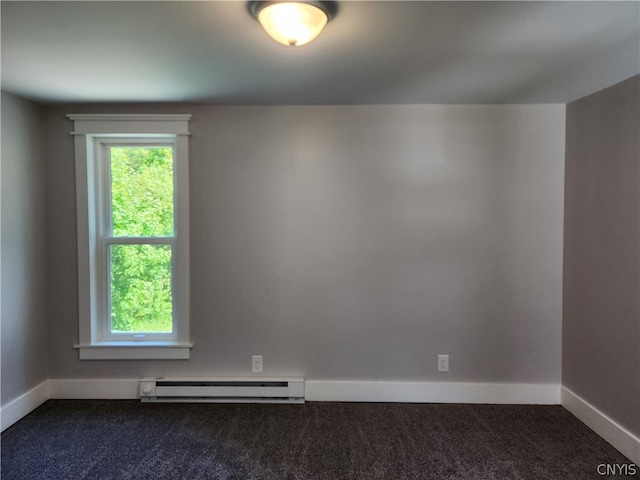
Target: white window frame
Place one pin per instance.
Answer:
(93, 135)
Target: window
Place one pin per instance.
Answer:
(133, 236)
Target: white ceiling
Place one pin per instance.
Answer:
(373, 52)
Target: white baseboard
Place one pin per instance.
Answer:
(23, 405)
(347, 391)
(626, 442)
(88, 389)
(432, 392)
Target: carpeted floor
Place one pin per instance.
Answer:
(82, 439)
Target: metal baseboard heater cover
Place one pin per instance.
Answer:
(222, 390)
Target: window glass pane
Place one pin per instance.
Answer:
(140, 281)
(141, 191)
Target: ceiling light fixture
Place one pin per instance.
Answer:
(293, 23)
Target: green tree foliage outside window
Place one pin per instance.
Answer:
(142, 202)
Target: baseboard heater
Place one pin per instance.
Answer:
(222, 390)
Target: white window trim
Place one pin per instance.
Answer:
(87, 129)
(102, 145)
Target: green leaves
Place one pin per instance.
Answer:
(142, 205)
(141, 288)
(142, 191)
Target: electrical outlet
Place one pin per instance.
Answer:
(256, 363)
(443, 363)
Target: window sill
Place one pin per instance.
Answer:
(135, 351)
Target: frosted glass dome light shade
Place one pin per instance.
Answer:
(293, 23)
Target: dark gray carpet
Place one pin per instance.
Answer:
(77, 439)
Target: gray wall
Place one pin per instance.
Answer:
(24, 324)
(352, 242)
(601, 328)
